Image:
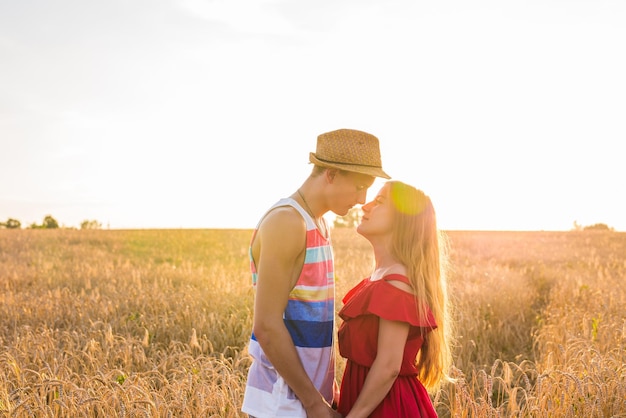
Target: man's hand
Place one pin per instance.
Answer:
(322, 410)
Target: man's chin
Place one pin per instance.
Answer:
(341, 213)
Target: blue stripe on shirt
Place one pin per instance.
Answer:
(309, 311)
(317, 255)
(310, 334)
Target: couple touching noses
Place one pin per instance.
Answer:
(393, 329)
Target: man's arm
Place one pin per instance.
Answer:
(282, 236)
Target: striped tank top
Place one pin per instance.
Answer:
(309, 318)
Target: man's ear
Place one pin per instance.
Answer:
(330, 174)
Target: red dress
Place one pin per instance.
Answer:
(358, 342)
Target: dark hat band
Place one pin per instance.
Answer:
(344, 163)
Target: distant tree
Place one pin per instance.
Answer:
(349, 220)
(577, 226)
(49, 222)
(87, 224)
(12, 224)
(598, 227)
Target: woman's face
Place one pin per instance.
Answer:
(377, 215)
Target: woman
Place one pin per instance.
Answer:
(395, 327)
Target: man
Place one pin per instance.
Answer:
(292, 343)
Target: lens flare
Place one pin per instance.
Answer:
(407, 199)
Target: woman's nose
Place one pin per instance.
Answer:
(362, 196)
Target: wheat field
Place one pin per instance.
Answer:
(154, 323)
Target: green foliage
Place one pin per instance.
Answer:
(48, 223)
(598, 227)
(594, 227)
(93, 224)
(121, 378)
(595, 323)
(11, 224)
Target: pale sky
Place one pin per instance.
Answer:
(201, 113)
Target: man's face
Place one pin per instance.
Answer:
(348, 189)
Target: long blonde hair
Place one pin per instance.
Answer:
(422, 249)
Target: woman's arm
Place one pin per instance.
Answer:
(392, 336)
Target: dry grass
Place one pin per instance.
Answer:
(155, 323)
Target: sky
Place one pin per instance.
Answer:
(511, 115)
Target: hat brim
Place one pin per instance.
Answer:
(355, 168)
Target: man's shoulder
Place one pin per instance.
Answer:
(281, 217)
(281, 225)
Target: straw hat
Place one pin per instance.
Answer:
(349, 150)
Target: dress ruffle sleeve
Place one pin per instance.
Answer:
(386, 301)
